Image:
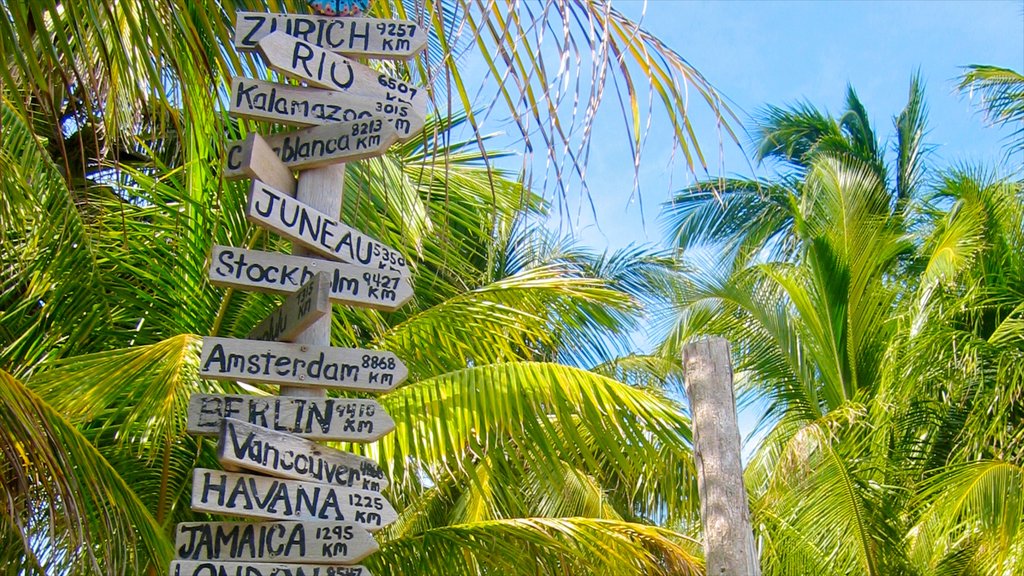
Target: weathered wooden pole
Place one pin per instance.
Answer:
(724, 513)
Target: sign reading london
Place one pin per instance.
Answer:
(300, 364)
(284, 273)
(319, 232)
(374, 37)
(220, 568)
(349, 419)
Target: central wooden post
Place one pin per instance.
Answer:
(319, 188)
(724, 512)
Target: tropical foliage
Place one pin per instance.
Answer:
(876, 312)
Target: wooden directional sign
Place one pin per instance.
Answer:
(319, 146)
(254, 158)
(298, 542)
(246, 446)
(318, 67)
(300, 364)
(319, 232)
(304, 307)
(284, 273)
(373, 37)
(349, 419)
(262, 497)
(302, 106)
(219, 568)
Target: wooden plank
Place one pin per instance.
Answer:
(256, 496)
(254, 158)
(288, 541)
(303, 106)
(348, 419)
(372, 37)
(283, 274)
(302, 365)
(318, 67)
(319, 232)
(305, 306)
(244, 446)
(319, 145)
(219, 568)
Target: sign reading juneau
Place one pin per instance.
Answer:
(278, 541)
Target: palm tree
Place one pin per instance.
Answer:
(1002, 96)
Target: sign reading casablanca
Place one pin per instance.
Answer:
(373, 37)
(299, 105)
(300, 364)
(304, 307)
(348, 419)
(243, 445)
(284, 541)
(319, 232)
(262, 497)
(284, 273)
(219, 568)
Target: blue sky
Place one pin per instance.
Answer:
(761, 52)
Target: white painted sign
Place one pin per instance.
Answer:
(349, 419)
(253, 158)
(305, 306)
(287, 541)
(219, 568)
(262, 497)
(284, 273)
(373, 37)
(318, 67)
(300, 364)
(318, 146)
(303, 106)
(319, 232)
(246, 446)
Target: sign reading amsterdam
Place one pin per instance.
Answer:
(243, 445)
(319, 232)
(261, 100)
(218, 568)
(318, 67)
(276, 499)
(373, 37)
(304, 307)
(283, 274)
(286, 541)
(318, 146)
(349, 419)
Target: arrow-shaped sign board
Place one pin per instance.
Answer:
(300, 364)
(318, 146)
(284, 273)
(347, 419)
(219, 568)
(258, 449)
(303, 106)
(255, 496)
(318, 67)
(319, 232)
(373, 37)
(283, 541)
(304, 307)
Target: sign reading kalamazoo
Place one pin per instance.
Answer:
(284, 541)
(262, 497)
(244, 445)
(300, 364)
(349, 419)
(319, 232)
(284, 273)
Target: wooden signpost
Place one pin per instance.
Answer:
(342, 419)
(319, 504)
(300, 364)
(318, 232)
(311, 542)
(257, 449)
(305, 306)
